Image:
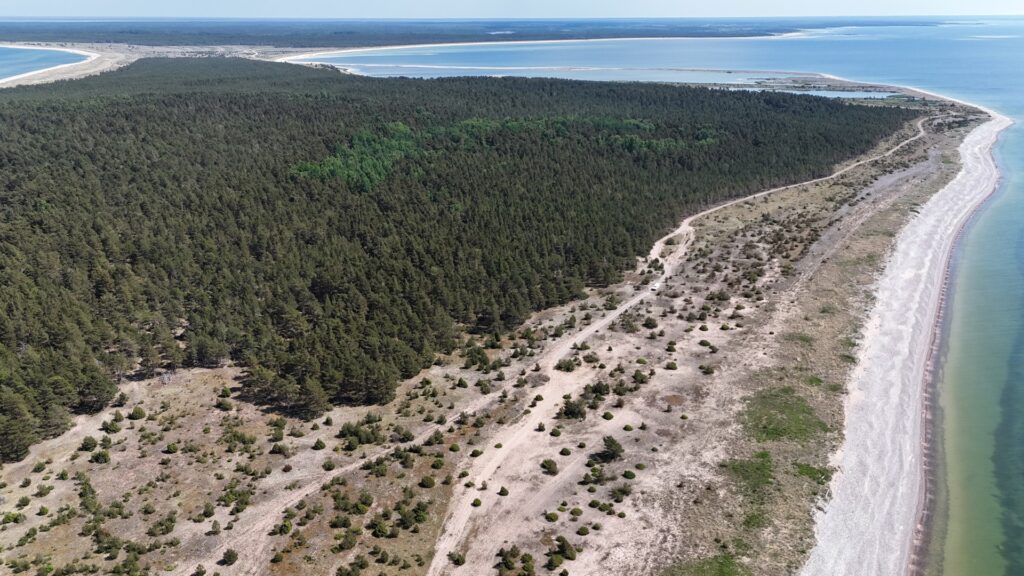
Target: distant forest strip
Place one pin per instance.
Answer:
(334, 233)
(353, 33)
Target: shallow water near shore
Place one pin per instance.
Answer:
(17, 61)
(981, 370)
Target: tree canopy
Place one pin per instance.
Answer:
(332, 232)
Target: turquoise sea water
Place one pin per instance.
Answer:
(981, 387)
(16, 61)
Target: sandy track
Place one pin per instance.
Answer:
(515, 438)
(868, 526)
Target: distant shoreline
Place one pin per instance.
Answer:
(319, 53)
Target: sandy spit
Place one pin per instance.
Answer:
(294, 58)
(868, 526)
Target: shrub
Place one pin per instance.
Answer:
(229, 557)
(550, 467)
(572, 409)
(612, 450)
(620, 492)
(566, 365)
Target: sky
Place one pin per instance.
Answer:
(500, 8)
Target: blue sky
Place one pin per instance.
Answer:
(499, 8)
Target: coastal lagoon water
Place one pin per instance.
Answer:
(17, 61)
(981, 383)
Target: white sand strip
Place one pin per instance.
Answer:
(868, 526)
(308, 57)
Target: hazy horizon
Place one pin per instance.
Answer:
(520, 9)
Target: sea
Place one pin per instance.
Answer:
(980, 382)
(18, 61)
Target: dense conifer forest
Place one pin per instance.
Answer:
(333, 233)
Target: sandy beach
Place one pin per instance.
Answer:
(878, 496)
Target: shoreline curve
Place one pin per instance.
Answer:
(9, 81)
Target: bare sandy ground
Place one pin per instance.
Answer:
(868, 526)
